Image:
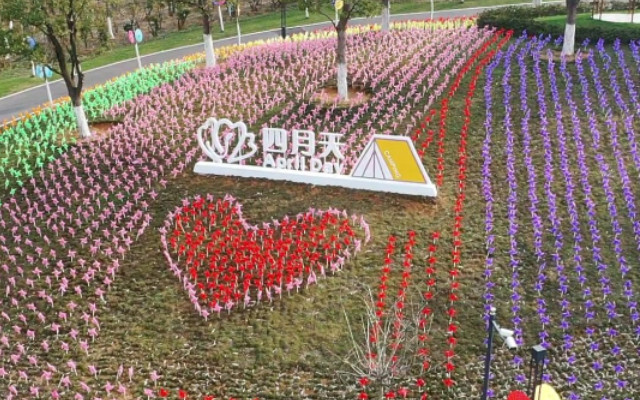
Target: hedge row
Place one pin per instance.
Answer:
(521, 19)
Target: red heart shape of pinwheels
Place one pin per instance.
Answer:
(223, 261)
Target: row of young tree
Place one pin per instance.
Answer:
(59, 21)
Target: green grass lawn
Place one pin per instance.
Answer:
(15, 80)
(585, 20)
(12, 81)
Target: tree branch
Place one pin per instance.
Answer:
(319, 10)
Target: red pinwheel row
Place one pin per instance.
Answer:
(482, 57)
(392, 334)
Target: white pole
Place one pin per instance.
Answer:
(33, 69)
(239, 34)
(138, 56)
(110, 27)
(431, 18)
(10, 25)
(220, 18)
(46, 82)
(337, 17)
(306, 12)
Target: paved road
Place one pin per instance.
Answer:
(23, 101)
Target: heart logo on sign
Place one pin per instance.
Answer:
(217, 147)
(225, 262)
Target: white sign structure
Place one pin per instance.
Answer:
(387, 164)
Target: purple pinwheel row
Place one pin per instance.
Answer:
(607, 185)
(512, 199)
(596, 343)
(536, 218)
(628, 194)
(635, 53)
(487, 191)
(630, 87)
(487, 188)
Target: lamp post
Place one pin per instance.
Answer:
(509, 341)
(536, 369)
(283, 18)
(487, 358)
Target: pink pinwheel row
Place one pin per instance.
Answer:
(91, 205)
(68, 326)
(248, 76)
(241, 84)
(402, 69)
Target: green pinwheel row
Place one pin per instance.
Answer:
(29, 144)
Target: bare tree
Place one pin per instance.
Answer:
(349, 9)
(59, 22)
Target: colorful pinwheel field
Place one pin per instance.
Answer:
(125, 275)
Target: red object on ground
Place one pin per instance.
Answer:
(518, 395)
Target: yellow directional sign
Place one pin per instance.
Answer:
(391, 158)
(339, 4)
(546, 392)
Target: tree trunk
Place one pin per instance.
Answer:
(341, 60)
(568, 46)
(208, 40)
(206, 22)
(73, 77)
(238, 28)
(386, 15)
(81, 118)
(209, 51)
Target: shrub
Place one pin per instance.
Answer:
(521, 19)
